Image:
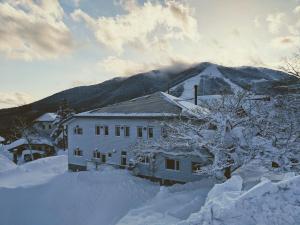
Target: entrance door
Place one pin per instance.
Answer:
(123, 158)
(123, 161)
(103, 158)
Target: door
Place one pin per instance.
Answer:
(123, 161)
(103, 158)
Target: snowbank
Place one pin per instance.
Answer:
(267, 203)
(170, 205)
(34, 173)
(43, 192)
(6, 164)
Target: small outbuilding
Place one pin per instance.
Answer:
(42, 147)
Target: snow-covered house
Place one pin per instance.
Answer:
(45, 123)
(108, 135)
(22, 148)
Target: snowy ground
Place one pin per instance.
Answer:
(43, 192)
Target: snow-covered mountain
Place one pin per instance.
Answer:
(211, 78)
(215, 80)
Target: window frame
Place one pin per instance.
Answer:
(163, 132)
(137, 132)
(125, 133)
(106, 130)
(176, 164)
(148, 133)
(97, 130)
(145, 159)
(78, 130)
(78, 152)
(118, 130)
(195, 164)
(96, 154)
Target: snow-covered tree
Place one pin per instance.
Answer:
(239, 128)
(24, 129)
(59, 134)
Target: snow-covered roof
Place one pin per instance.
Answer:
(47, 117)
(23, 141)
(158, 104)
(2, 139)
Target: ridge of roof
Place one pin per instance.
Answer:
(158, 104)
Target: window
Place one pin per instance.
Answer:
(106, 130)
(78, 152)
(43, 127)
(97, 130)
(139, 132)
(78, 130)
(50, 126)
(97, 154)
(150, 132)
(164, 132)
(145, 159)
(172, 164)
(109, 154)
(196, 167)
(126, 131)
(117, 131)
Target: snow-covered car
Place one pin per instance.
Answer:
(26, 155)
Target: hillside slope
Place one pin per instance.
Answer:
(216, 79)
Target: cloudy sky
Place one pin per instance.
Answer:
(48, 45)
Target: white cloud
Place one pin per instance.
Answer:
(124, 67)
(14, 99)
(297, 10)
(143, 25)
(257, 22)
(275, 22)
(285, 42)
(33, 29)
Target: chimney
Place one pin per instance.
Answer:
(195, 94)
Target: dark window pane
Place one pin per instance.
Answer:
(170, 164)
(97, 130)
(150, 132)
(127, 132)
(117, 131)
(106, 130)
(140, 132)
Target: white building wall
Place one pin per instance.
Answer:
(88, 142)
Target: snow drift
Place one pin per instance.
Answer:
(43, 192)
(266, 203)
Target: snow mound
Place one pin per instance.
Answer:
(266, 203)
(43, 192)
(170, 205)
(6, 164)
(34, 173)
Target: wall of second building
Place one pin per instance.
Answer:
(45, 127)
(109, 145)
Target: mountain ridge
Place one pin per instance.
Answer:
(83, 98)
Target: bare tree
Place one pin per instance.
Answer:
(292, 65)
(24, 129)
